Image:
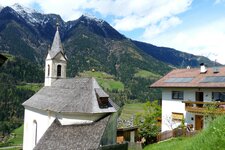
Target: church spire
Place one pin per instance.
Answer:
(56, 61)
(57, 44)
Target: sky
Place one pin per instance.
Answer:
(193, 26)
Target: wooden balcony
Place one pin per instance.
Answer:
(205, 107)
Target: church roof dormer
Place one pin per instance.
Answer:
(57, 44)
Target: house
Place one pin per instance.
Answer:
(68, 113)
(188, 94)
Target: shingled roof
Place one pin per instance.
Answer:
(189, 78)
(69, 95)
(71, 137)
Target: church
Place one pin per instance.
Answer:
(68, 113)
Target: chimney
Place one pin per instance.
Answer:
(203, 68)
(215, 68)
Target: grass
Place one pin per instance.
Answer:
(174, 143)
(131, 109)
(15, 139)
(211, 138)
(105, 80)
(146, 74)
(10, 148)
(18, 136)
(96, 74)
(31, 86)
(111, 84)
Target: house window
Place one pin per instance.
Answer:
(178, 95)
(59, 68)
(177, 116)
(35, 132)
(48, 70)
(218, 96)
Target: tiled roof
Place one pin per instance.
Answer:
(69, 95)
(73, 137)
(197, 80)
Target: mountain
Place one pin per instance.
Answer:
(96, 26)
(90, 43)
(172, 56)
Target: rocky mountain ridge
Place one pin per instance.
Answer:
(90, 43)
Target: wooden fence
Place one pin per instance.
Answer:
(174, 133)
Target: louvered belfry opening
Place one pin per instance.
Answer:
(102, 97)
(59, 68)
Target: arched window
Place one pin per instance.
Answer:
(59, 68)
(35, 132)
(48, 70)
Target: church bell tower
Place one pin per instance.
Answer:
(56, 61)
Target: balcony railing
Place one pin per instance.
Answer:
(204, 107)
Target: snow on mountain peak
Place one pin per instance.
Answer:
(22, 9)
(26, 13)
(91, 17)
(1, 7)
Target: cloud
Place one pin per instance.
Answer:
(154, 30)
(219, 1)
(205, 40)
(68, 10)
(142, 14)
(11, 2)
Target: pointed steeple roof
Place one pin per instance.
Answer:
(57, 44)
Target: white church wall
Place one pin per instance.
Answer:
(48, 79)
(44, 120)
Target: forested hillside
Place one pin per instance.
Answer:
(16, 77)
